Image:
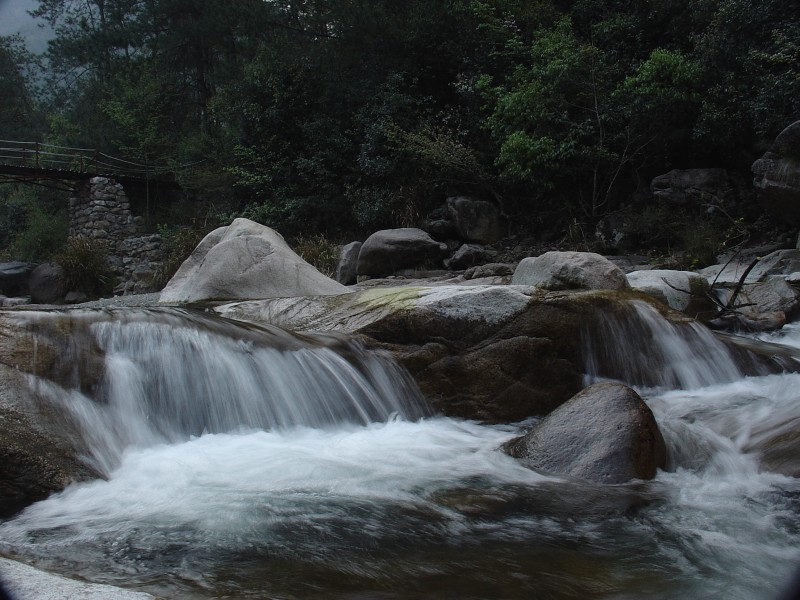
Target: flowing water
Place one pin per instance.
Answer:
(284, 467)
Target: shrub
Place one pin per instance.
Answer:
(32, 229)
(86, 267)
(318, 251)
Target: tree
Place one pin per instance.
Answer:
(555, 121)
(19, 116)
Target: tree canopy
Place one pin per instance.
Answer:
(353, 114)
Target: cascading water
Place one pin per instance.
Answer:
(358, 503)
(170, 374)
(642, 348)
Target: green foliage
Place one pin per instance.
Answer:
(19, 118)
(330, 117)
(33, 229)
(555, 117)
(86, 267)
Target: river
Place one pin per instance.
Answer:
(295, 469)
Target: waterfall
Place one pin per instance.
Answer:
(642, 348)
(247, 461)
(171, 374)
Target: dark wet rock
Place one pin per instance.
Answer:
(440, 229)
(606, 434)
(14, 278)
(776, 175)
(477, 221)
(48, 284)
(468, 255)
(38, 456)
(391, 250)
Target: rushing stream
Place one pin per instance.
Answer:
(286, 467)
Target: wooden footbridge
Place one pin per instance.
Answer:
(38, 162)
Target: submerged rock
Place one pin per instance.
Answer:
(605, 434)
(245, 260)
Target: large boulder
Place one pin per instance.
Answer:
(48, 284)
(245, 260)
(390, 250)
(492, 353)
(477, 221)
(570, 271)
(777, 175)
(347, 267)
(685, 291)
(40, 451)
(14, 277)
(605, 434)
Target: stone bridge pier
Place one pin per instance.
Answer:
(100, 210)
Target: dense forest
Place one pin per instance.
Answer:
(339, 117)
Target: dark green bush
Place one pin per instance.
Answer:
(86, 267)
(31, 228)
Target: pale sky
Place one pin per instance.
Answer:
(15, 19)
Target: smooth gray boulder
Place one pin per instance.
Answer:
(605, 434)
(24, 582)
(477, 221)
(347, 267)
(390, 250)
(245, 261)
(685, 291)
(570, 271)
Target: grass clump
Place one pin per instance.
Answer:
(318, 251)
(86, 267)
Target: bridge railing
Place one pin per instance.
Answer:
(36, 155)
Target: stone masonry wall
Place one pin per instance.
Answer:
(101, 211)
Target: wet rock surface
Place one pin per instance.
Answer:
(605, 434)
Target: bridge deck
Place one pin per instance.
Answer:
(37, 161)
